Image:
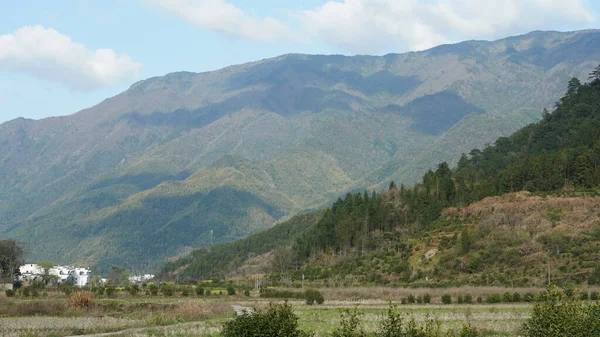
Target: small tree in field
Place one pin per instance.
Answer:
(563, 316)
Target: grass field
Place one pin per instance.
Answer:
(134, 316)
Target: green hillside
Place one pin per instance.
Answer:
(469, 225)
(150, 173)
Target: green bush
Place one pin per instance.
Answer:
(411, 299)
(199, 290)
(167, 289)
(459, 299)
(479, 299)
(507, 297)
(529, 297)
(109, 291)
(584, 296)
(594, 296)
(562, 316)
(230, 291)
(279, 320)
(9, 292)
(516, 297)
(26, 291)
(185, 292)
(313, 296)
(468, 299)
(133, 289)
(493, 298)
(246, 292)
(153, 289)
(426, 298)
(350, 325)
(468, 331)
(446, 299)
(394, 325)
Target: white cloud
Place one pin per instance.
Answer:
(369, 26)
(223, 17)
(47, 54)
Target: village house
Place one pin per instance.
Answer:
(79, 277)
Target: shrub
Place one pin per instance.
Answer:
(167, 289)
(529, 297)
(350, 325)
(561, 315)
(246, 292)
(507, 297)
(479, 299)
(153, 289)
(9, 292)
(426, 298)
(79, 300)
(411, 299)
(185, 292)
(109, 291)
(584, 296)
(446, 299)
(133, 289)
(199, 290)
(459, 299)
(468, 331)
(230, 291)
(100, 291)
(26, 291)
(493, 298)
(394, 325)
(468, 299)
(594, 296)
(312, 296)
(516, 297)
(279, 320)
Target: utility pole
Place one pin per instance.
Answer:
(548, 266)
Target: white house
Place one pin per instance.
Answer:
(80, 276)
(77, 276)
(139, 279)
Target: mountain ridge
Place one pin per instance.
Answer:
(308, 128)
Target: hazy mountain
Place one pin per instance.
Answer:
(153, 171)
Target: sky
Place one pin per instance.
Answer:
(60, 56)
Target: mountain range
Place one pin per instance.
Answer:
(187, 160)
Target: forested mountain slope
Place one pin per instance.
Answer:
(467, 225)
(153, 171)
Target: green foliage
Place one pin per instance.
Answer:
(562, 316)
(447, 299)
(167, 289)
(278, 320)
(9, 292)
(230, 291)
(394, 325)
(350, 325)
(427, 298)
(493, 298)
(133, 289)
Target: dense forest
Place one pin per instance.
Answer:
(559, 153)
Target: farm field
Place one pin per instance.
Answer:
(142, 315)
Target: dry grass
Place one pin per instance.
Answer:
(534, 213)
(79, 300)
(396, 294)
(195, 310)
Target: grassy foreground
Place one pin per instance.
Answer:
(203, 316)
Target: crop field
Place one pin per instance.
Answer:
(123, 315)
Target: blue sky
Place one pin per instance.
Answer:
(58, 57)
